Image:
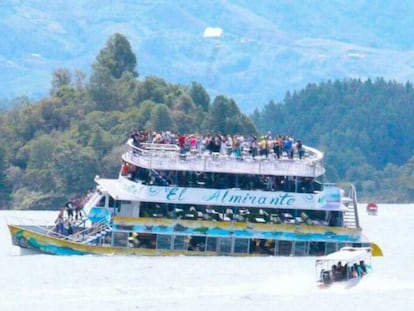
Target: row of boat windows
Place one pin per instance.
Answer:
(220, 180)
(230, 213)
(224, 246)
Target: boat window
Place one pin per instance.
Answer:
(101, 202)
(164, 241)
(241, 246)
(197, 243)
(316, 248)
(195, 179)
(224, 245)
(146, 240)
(120, 239)
(180, 242)
(301, 248)
(331, 248)
(211, 244)
(283, 248)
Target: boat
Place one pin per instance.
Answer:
(171, 199)
(344, 268)
(372, 209)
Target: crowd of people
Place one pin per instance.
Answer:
(235, 145)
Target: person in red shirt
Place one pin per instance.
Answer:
(181, 142)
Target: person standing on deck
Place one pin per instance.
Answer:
(299, 148)
(69, 209)
(181, 143)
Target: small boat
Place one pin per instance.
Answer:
(372, 209)
(345, 267)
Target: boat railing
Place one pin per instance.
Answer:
(350, 201)
(353, 196)
(81, 234)
(167, 156)
(87, 235)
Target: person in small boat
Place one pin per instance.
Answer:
(338, 276)
(363, 267)
(345, 272)
(333, 272)
(325, 277)
(358, 270)
(353, 272)
(60, 223)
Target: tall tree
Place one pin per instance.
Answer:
(4, 184)
(224, 116)
(114, 61)
(60, 77)
(118, 57)
(200, 96)
(160, 118)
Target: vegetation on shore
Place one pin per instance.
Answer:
(51, 149)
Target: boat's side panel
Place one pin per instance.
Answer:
(239, 229)
(29, 239)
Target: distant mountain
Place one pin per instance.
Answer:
(266, 47)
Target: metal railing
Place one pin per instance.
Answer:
(169, 157)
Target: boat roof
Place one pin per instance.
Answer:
(113, 187)
(347, 254)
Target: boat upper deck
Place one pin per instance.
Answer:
(170, 157)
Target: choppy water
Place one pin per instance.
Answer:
(45, 282)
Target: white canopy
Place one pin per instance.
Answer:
(347, 255)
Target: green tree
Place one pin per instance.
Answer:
(160, 118)
(101, 88)
(107, 84)
(117, 56)
(74, 167)
(4, 183)
(60, 77)
(200, 96)
(224, 116)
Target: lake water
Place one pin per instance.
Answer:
(46, 282)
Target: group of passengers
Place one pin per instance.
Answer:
(231, 145)
(341, 272)
(65, 224)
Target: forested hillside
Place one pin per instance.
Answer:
(51, 150)
(365, 129)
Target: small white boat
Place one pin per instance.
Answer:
(345, 267)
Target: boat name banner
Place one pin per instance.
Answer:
(229, 197)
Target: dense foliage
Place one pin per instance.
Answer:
(52, 149)
(364, 128)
